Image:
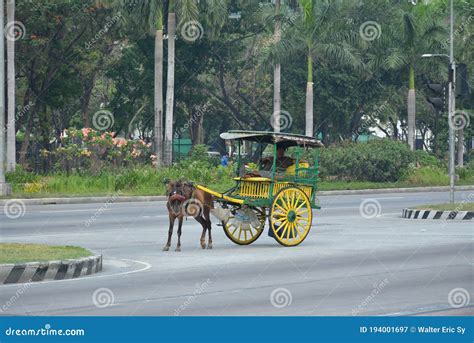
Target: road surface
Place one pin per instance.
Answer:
(349, 264)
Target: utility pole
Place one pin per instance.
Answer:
(452, 105)
(451, 101)
(4, 187)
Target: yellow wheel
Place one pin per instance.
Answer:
(290, 216)
(247, 232)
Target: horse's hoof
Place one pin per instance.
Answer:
(209, 246)
(203, 246)
(166, 248)
(177, 249)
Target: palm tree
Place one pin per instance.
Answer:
(421, 32)
(149, 12)
(322, 38)
(168, 142)
(11, 132)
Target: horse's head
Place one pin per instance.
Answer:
(174, 190)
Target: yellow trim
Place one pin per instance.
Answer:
(254, 232)
(219, 195)
(291, 201)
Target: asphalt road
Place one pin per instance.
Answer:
(348, 265)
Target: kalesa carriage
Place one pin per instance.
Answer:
(285, 193)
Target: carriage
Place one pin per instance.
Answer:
(282, 189)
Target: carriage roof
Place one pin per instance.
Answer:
(280, 138)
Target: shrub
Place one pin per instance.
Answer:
(425, 159)
(378, 161)
(426, 176)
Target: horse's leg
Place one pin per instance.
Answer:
(180, 224)
(202, 221)
(170, 233)
(207, 218)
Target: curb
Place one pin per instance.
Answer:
(396, 190)
(53, 270)
(141, 198)
(409, 213)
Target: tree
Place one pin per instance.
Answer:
(323, 38)
(421, 33)
(11, 131)
(168, 141)
(150, 11)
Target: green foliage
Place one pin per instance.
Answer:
(377, 161)
(425, 159)
(426, 176)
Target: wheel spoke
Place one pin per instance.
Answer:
(302, 226)
(293, 232)
(302, 204)
(281, 208)
(299, 233)
(285, 228)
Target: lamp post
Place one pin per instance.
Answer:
(4, 187)
(451, 101)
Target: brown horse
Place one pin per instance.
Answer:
(186, 200)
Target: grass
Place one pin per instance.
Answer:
(147, 181)
(22, 253)
(463, 206)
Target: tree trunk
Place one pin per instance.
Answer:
(159, 97)
(11, 132)
(277, 75)
(88, 85)
(309, 98)
(168, 146)
(411, 110)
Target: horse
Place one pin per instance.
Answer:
(184, 199)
